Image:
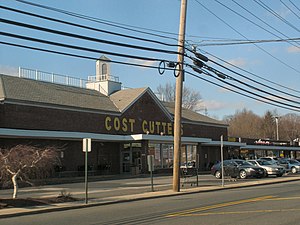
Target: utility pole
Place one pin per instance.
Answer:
(178, 98)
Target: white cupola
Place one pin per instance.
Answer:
(104, 81)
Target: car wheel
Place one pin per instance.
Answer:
(243, 174)
(218, 174)
(294, 170)
(279, 175)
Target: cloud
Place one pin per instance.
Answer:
(142, 62)
(8, 70)
(238, 62)
(293, 49)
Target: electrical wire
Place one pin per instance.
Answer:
(79, 56)
(261, 20)
(219, 73)
(237, 92)
(263, 5)
(253, 21)
(279, 60)
(294, 5)
(264, 85)
(253, 74)
(78, 47)
(249, 42)
(289, 9)
(85, 37)
(97, 20)
(87, 27)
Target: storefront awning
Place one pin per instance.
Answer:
(160, 138)
(225, 143)
(63, 135)
(270, 147)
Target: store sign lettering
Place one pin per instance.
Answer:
(129, 124)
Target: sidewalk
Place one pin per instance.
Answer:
(125, 190)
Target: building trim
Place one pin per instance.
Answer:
(225, 143)
(65, 135)
(270, 147)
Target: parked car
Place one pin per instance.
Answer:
(237, 168)
(273, 160)
(291, 165)
(271, 169)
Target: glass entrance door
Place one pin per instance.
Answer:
(131, 158)
(126, 156)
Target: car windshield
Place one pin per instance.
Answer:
(243, 163)
(264, 163)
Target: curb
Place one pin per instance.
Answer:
(161, 195)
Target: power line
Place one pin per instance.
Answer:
(260, 19)
(294, 5)
(279, 60)
(226, 76)
(290, 9)
(252, 21)
(78, 56)
(85, 37)
(97, 20)
(263, 5)
(248, 42)
(87, 27)
(253, 74)
(78, 47)
(237, 92)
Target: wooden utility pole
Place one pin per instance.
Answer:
(178, 98)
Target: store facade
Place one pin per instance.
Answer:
(125, 126)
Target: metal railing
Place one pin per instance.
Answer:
(52, 77)
(103, 77)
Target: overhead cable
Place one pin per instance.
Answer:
(279, 60)
(87, 27)
(85, 37)
(240, 93)
(97, 20)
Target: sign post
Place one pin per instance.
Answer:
(150, 162)
(86, 147)
(222, 161)
(197, 168)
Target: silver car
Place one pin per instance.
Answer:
(271, 169)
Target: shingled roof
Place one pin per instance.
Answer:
(124, 98)
(191, 116)
(15, 89)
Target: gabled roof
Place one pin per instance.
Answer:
(123, 99)
(191, 116)
(15, 89)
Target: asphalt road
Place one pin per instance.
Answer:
(271, 204)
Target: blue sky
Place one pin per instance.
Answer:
(163, 15)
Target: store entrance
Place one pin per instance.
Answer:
(131, 158)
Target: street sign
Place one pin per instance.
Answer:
(87, 145)
(150, 161)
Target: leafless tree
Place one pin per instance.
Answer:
(244, 124)
(24, 162)
(191, 99)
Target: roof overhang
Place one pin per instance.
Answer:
(225, 143)
(65, 135)
(162, 138)
(270, 147)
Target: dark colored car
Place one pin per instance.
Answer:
(237, 168)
